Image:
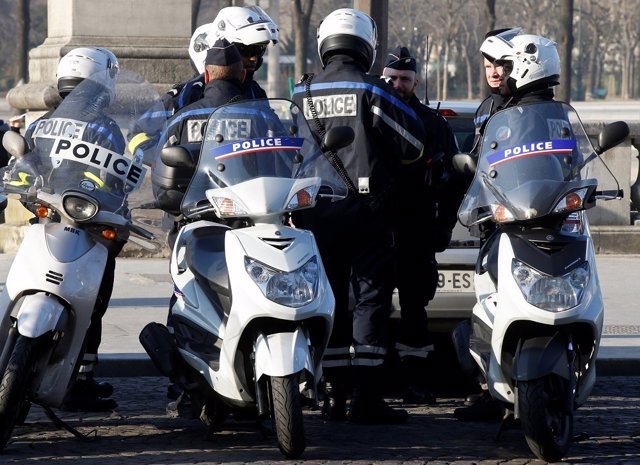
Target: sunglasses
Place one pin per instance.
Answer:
(253, 50)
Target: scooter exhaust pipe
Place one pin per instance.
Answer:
(161, 348)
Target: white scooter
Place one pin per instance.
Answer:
(253, 308)
(78, 185)
(535, 329)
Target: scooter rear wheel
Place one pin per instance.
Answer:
(287, 413)
(14, 385)
(547, 425)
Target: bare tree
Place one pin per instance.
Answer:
(489, 23)
(565, 46)
(629, 44)
(302, 19)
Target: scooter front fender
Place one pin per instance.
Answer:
(282, 354)
(540, 356)
(39, 314)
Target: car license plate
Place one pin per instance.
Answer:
(455, 281)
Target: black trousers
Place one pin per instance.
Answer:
(355, 245)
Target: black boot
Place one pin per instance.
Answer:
(89, 395)
(101, 388)
(416, 392)
(82, 397)
(481, 408)
(334, 405)
(367, 405)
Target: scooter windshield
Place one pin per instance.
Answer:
(531, 157)
(259, 157)
(81, 146)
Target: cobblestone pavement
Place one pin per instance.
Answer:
(140, 433)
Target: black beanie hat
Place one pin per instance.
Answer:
(223, 53)
(401, 59)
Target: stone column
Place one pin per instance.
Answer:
(150, 37)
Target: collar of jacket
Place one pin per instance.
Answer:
(222, 85)
(340, 60)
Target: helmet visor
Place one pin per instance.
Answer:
(253, 50)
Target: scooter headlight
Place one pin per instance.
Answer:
(79, 208)
(293, 289)
(552, 293)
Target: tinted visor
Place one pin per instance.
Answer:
(253, 50)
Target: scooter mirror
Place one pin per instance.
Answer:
(177, 156)
(14, 143)
(464, 163)
(611, 135)
(337, 137)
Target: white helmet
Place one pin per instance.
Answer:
(99, 64)
(497, 43)
(348, 31)
(535, 61)
(242, 25)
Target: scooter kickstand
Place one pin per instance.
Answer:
(507, 421)
(60, 423)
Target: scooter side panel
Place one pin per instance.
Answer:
(193, 303)
(75, 276)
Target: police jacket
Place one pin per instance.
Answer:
(488, 107)
(484, 111)
(442, 190)
(185, 93)
(80, 116)
(387, 130)
(187, 124)
(85, 109)
(545, 94)
(101, 130)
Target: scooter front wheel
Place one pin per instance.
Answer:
(547, 425)
(287, 414)
(14, 385)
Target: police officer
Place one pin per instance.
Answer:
(101, 66)
(223, 77)
(250, 29)
(431, 191)
(354, 234)
(531, 67)
(493, 74)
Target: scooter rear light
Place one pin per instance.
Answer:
(447, 112)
